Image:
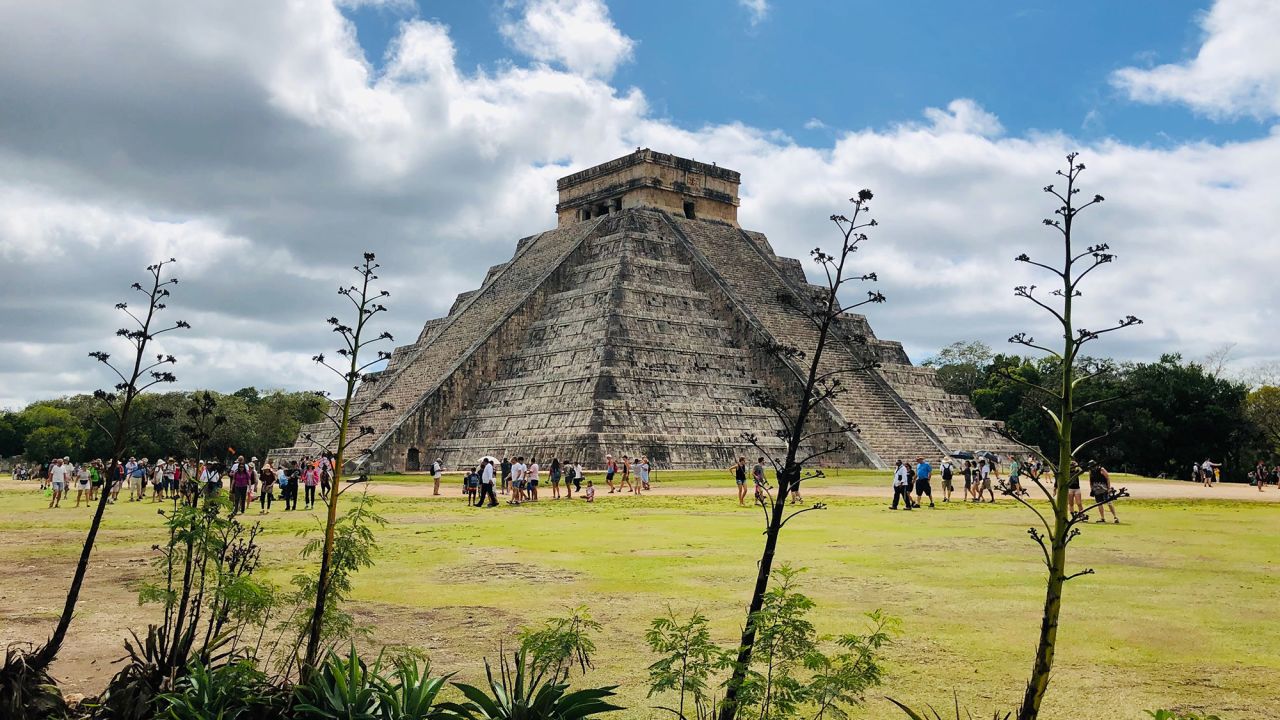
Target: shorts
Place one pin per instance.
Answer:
(740, 481)
(986, 483)
(923, 488)
(533, 483)
(58, 485)
(519, 484)
(946, 485)
(1099, 497)
(608, 477)
(82, 485)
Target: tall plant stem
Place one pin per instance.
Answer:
(331, 521)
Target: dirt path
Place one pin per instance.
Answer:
(1140, 490)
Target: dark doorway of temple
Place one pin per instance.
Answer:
(414, 461)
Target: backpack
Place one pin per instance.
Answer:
(946, 472)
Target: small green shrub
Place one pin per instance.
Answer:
(230, 692)
(794, 672)
(1171, 715)
(933, 714)
(525, 690)
(343, 688)
(411, 693)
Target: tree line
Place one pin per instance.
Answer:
(1155, 417)
(253, 422)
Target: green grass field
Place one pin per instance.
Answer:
(1181, 613)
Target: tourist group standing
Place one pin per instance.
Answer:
(521, 481)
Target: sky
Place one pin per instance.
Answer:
(267, 145)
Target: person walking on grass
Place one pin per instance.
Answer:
(518, 470)
(1015, 473)
(310, 479)
(644, 471)
(81, 476)
(625, 467)
(531, 480)
(986, 469)
(740, 477)
(241, 479)
(471, 486)
(506, 474)
(486, 484)
(577, 480)
(610, 469)
(757, 479)
(947, 487)
(1206, 471)
(1100, 489)
(266, 488)
(924, 472)
(901, 485)
(635, 474)
(437, 467)
(554, 473)
(1075, 503)
(59, 474)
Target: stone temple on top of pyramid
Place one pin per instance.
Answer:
(637, 327)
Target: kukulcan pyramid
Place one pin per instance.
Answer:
(638, 327)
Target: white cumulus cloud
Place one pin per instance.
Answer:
(1235, 72)
(575, 33)
(257, 144)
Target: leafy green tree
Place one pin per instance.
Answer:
(10, 435)
(962, 366)
(51, 432)
(1263, 409)
(53, 441)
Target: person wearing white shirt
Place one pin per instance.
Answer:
(58, 479)
(531, 479)
(436, 468)
(902, 485)
(486, 485)
(518, 471)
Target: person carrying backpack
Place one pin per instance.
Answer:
(1100, 489)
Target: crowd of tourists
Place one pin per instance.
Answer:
(521, 481)
(912, 483)
(186, 480)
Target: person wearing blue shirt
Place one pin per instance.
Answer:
(923, 471)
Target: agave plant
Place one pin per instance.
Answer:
(411, 692)
(933, 714)
(342, 688)
(1171, 715)
(523, 692)
(26, 690)
(230, 692)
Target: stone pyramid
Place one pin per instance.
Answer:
(636, 327)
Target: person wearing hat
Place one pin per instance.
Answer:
(58, 473)
(267, 487)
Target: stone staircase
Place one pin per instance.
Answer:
(885, 422)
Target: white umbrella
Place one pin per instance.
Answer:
(491, 459)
